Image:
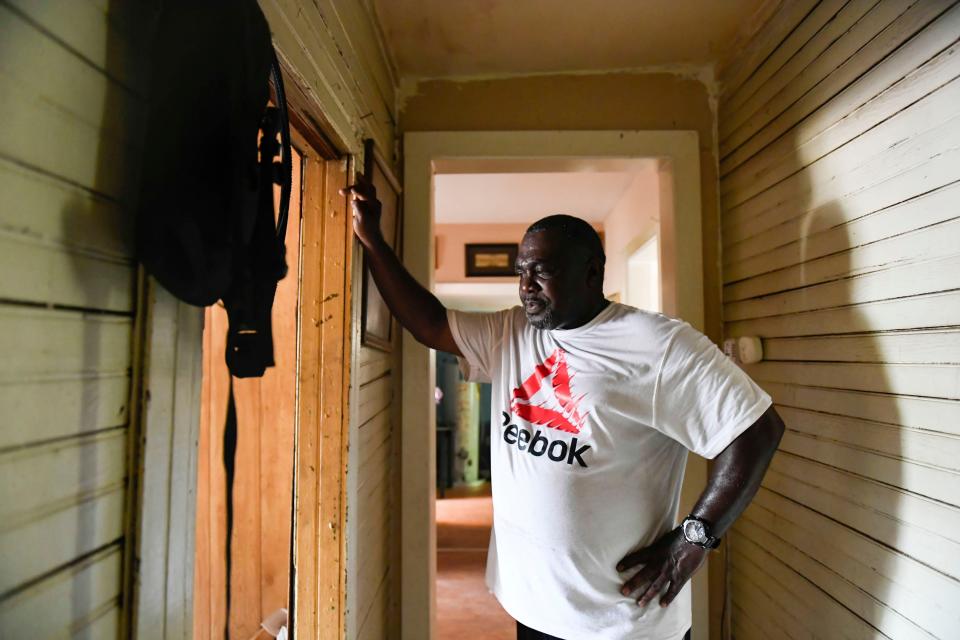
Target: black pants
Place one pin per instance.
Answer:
(526, 633)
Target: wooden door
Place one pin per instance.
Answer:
(319, 585)
(289, 506)
(263, 485)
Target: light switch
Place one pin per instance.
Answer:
(749, 349)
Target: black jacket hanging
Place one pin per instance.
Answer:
(206, 228)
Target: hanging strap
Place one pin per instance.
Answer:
(282, 176)
(229, 467)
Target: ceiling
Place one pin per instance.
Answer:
(464, 198)
(436, 38)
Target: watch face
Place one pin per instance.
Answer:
(694, 531)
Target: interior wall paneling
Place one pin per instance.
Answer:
(74, 110)
(839, 196)
(331, 47)
(342, 88)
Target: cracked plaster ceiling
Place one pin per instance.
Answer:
(437, 38)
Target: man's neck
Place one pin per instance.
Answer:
(590, 312)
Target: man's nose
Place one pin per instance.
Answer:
(528, 284)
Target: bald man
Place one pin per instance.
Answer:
(599, 404)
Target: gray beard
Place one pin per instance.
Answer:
(544, 321)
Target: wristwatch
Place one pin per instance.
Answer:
(697, 531)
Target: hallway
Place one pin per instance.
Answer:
(465, 609)
(789, 168)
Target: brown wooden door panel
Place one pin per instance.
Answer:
(263, 485)
(325, 321)
(292, 434)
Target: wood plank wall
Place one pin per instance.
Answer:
(840, 187)
(335, 50)
(71, 95)
(375, 546)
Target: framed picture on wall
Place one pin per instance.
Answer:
(376, 322)
(491, 259)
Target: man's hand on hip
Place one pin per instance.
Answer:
(670, 560)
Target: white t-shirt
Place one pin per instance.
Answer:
(591, 428)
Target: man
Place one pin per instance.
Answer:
(600, 403)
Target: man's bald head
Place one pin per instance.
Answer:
(577, 232)
(560, 264)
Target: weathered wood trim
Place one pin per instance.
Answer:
(335, 314)
(306, 471)
(359, 366)
(305, 117)
(169, 425)
(319, 582)
(317, 47)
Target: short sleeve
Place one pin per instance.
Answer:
(480, 337)
(702, 398)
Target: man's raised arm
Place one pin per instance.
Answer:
(417, 309)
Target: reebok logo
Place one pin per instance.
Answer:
(537, 445)
(568, 417)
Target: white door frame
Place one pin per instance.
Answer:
(680, 238)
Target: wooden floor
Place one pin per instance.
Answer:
(465, 609)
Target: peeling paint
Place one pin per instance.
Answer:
(409, 86)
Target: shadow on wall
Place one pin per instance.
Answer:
(795, 276)
(99, 532)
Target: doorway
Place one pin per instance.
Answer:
(429, 155)
(263, 485)
(481, 211)
(292, 432)
(643, 276)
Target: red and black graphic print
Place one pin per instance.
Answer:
(568, 418)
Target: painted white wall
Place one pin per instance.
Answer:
(171, 422)
(840, 250)
(632, 218)
(451, 250)
(451, 241)
(643, 276)
(464, 198)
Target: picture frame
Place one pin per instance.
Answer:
(491, 260)
(376, 321)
